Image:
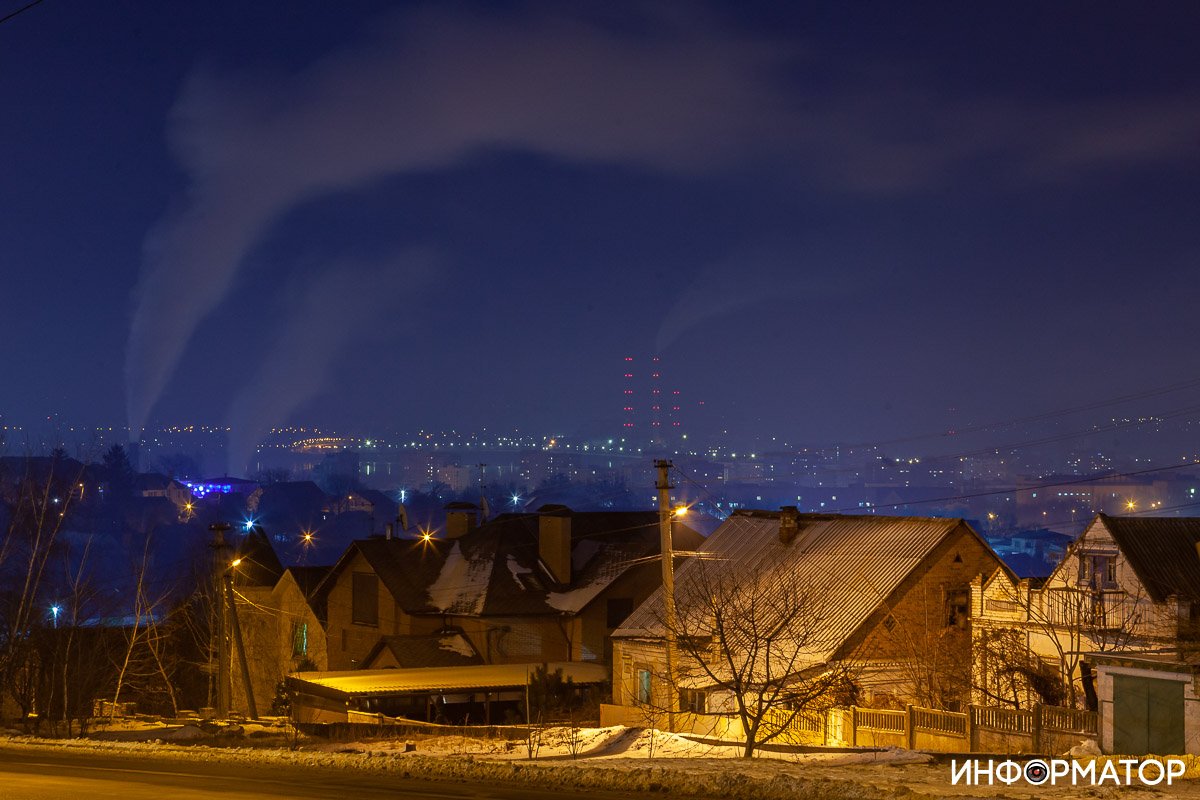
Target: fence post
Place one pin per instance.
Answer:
(854, 726)
(970, 728)
(1037, 727)
(910, 727)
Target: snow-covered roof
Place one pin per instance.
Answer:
(851, 563)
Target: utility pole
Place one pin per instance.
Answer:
(668, 578)
(219, 640)
(251, 706)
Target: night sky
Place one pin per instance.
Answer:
(833, 221)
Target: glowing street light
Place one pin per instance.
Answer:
(54, 612)
(680, 511)
(235, 562)
(1131, 505)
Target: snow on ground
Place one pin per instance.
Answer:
(619, 759)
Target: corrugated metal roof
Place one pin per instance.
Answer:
(1162, 551)
(380, 682)
(852, 563)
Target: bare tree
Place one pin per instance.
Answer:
(936, 649)
(143, 657)
(39, 502)
(755, 639)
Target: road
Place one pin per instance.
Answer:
(28, 774)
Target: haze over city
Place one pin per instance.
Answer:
(835, 225)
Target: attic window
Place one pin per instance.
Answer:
(889, 622)
(957, 560)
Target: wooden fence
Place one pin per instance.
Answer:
(980, 729)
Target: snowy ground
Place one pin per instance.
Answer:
(620, 759)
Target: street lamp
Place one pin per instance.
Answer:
(54, 612)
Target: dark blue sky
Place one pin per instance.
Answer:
(834, 222)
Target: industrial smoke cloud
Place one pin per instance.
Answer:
(682, 94)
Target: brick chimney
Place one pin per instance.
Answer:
(554, 541)
(789, 524)
(461, 518)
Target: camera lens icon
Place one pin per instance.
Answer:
(1037, 772)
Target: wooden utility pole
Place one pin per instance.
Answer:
(666, 545)
(219, 639)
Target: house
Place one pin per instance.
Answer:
(521, 588)
(279, 619)
(883, 600)
(289, 506)
(153, 484)
(1127, 584)
(372, 502)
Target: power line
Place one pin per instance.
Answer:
(1117, 400)
(21, 10)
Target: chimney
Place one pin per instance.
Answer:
(461, 518)
(789, 524)
(554, 541)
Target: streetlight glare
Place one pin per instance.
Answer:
(235, 562)
(681, 511)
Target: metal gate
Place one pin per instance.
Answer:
(1147, 716)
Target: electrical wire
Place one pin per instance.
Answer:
(21, 10)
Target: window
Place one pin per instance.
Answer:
(365, 610)
(300, 639)
(1110, 573)
(694, 701)
(958, 604)
(643, 686)
(617, 611)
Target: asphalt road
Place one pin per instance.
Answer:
(42, 775)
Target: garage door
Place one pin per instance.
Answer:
(1147, 716)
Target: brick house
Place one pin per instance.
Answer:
(890, 600)
(521, 588)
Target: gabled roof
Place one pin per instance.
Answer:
(445, 649)
(405, 568)
(381, 502)
(291, 505)
(1162, 551)
(259, 565)
(854, 563)
(495, 568)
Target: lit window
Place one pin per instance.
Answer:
(643, 686)
(300, 639)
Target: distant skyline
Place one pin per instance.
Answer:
(834, 222)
